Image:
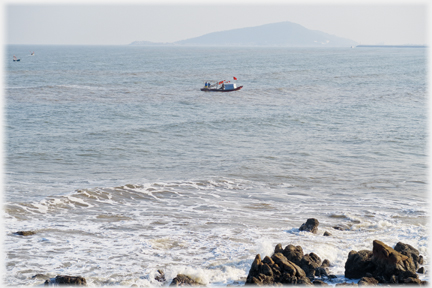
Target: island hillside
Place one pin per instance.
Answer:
(283, 34)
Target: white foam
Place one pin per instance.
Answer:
(214, 239)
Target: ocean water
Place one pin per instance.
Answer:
(122, 166)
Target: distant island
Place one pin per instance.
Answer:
(391, 46)
(283, 34)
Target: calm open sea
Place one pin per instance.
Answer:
(122, 166)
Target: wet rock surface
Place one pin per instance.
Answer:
(184, 280)
(410, 251)
(25, 233)
(161, 276)
(385, 265)
(369, 281)
(311, 225)
(287, 266)
(358, 264)
(67, 280)
(382, 265)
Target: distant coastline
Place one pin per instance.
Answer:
(392, 46)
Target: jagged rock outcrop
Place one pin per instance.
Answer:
(385, 264)
(390, 262)
(287, 266)
(277, 269)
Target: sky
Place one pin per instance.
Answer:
(112, 23)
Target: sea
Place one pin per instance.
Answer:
(122, 166)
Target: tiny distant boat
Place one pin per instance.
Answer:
(15, 59)
(32, 54)
(221, 86)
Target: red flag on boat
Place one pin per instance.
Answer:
(235, 78)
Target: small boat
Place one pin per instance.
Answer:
(32, 54)
(15, 59)
(225, 86)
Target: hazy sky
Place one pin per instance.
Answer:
(120, 24)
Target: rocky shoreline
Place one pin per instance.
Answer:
(381, 265)
(290, 266)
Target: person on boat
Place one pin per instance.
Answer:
(223, 86)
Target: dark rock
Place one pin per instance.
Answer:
(276, 270)
(410, 251)
(341, 227)
(325, 263)
(393, 279)
(309, 263)
(323, 269)
(327, 234)
(160, 277)
(421, 270)
(311, 225)
(359, 263)
(184, 280)
(25, 233)
(293, 253)
(301, 281)
(67, 280)
(332, 276)
(390, 262)
(41, 276)
(380, 279)
(266, 270)
(384, 264)
(268, 261)
(368, 281)
(287, 266)
(412, 280)
(278, 248)
(319, 283)
(254, 270)
(320, 272)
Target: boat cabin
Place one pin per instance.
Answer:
(230, 86)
